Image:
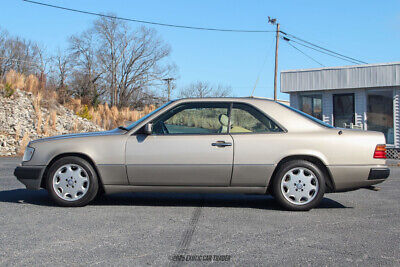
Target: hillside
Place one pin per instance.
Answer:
(25, 116)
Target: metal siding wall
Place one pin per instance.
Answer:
(365, 103)
(341, 78)
(327, 107)
(360, 107)
(294, 100)
(396, 117)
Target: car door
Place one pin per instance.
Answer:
(256, 138)
(189, 146)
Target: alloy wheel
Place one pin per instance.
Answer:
(299, 186)
(71, 182)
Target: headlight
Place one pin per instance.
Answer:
(28, 153)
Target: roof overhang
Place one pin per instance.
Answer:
(346, 77)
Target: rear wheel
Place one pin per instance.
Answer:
(72, 182)
(299, 185)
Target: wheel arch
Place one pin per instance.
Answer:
(330, 185)
(79, 155)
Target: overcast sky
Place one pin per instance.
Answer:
(366, 30)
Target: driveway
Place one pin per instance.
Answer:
(360, 227)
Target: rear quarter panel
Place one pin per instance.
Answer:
(262, 152)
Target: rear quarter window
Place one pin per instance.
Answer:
(309, 117)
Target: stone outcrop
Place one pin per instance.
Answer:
(22, 119)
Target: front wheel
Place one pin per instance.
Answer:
(299, 185)
(72, 182)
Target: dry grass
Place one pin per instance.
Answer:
(102, 115)
(22, 145)
(37, 103)
(16, 80)
(46, 126)
(75, 127)
(53, 119)
(38, 112)
(39, 123)
(32, 84)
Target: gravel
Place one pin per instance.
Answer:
(18, 118)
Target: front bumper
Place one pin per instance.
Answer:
(30, 176)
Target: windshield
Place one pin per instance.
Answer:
(308, 116)
(131, 126)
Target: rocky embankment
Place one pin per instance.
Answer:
(25, 117)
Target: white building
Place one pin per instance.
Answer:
(362, 96)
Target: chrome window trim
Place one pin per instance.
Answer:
(173, 104)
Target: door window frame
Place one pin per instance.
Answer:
(229, 106)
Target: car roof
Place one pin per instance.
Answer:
(225, 99)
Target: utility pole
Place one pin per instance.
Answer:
(273, 22)
(168, 80)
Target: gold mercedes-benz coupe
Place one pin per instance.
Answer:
(226, 145)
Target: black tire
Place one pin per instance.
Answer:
(92, 176)
(280, 175)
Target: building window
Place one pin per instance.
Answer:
(380, 113)
(312, 105)
(343, 110)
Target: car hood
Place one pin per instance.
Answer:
(80, 135)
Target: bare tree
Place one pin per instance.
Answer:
(110, 33)
(119, 64)
(62, 64)
(85, 81)
(62, 69)
(111, 63)
(4, 63)
(132, 61)
(142, 66)
(19, 54)
(205, 89)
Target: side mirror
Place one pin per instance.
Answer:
(148, 128)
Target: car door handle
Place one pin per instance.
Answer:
(221, 144)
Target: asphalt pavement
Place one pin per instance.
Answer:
(353, 228)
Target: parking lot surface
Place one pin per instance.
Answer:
(353, 228)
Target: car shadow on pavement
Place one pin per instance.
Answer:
(41, 198)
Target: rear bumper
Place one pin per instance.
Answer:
(30, 176)
(352, 177)
(378, 173)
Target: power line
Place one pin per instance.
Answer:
(326, 53)
(147, 22)
(325, 49)
(305, 54)
(331, 53)
(323, 52)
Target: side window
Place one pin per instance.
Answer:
(194, 118)
(246, 119)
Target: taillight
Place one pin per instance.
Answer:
(380, 152)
